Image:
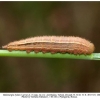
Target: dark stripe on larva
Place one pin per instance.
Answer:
(53, 44)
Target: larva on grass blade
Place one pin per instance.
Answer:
(52, 44)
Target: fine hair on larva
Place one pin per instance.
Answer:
(52, 44)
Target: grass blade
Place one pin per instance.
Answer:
(6, 53)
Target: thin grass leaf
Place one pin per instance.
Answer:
(6, 53)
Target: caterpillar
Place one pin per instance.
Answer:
(52, 44)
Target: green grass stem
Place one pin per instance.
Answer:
(6, 53)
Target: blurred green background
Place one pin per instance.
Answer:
(19, 20)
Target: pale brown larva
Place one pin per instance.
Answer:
(53, 44)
